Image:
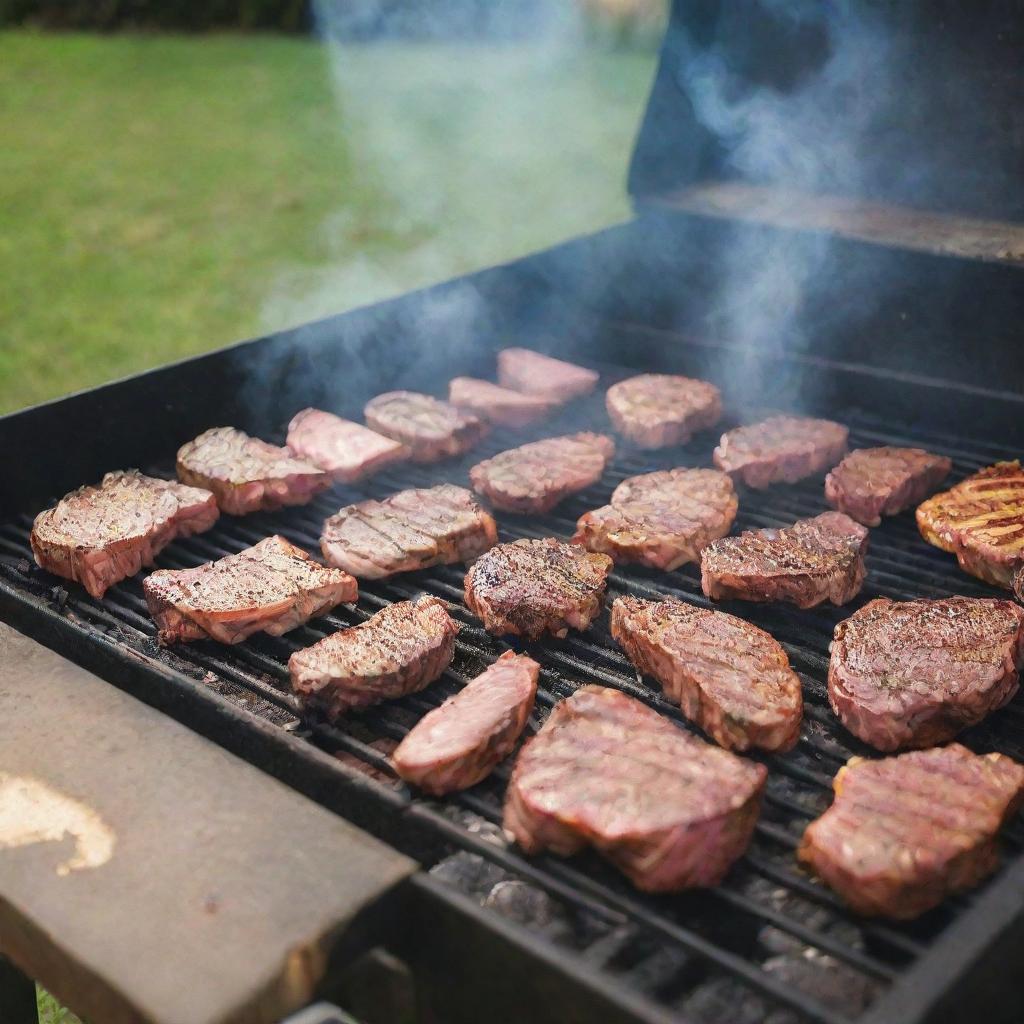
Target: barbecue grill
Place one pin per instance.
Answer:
(905, 331)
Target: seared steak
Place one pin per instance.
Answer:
(409, 530)
(728, 676)
(459, 743)
(247, 474)
(534, 374)
(781, 448)
(655, 410)
(431, 429)
(400, 650)
(531, 587)
(271, 587)
(101, 535)
(874, 482)
(914, 673)
(497, 404)
(981, 521)
(904, 832)
(813, 560)
(536, 477)
(661, 519)
(666, 808)
(348, 451)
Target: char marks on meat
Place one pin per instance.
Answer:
(666, 808)
(532, 587)
(914, 673)
(655, 410)
(904, 832)
(348, 451)
(535, 477)
(781, 449)
(662, 519)
(534, 374)
(409, 530)
(814, 560)
(497, 404)
(432, 430)
(400, 650)
(100, 535)
(247, 474)
(731, 678)
(458, 744)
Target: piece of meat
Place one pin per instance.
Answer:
(781, 448)
(271, 587)
(497, 404)
(409, 530)
(904, 832)
(731, 678)
(432, 430)
(246, 474)
(655, 410)
(458, 744)
(348, 451)
(535, 477)
(981, 521)
(814, 560)
(100, 535)
(662, 519)
(874, 482)
(914, 673)
(534, 374)
(531, 587)
(669, 810)
(400, 650)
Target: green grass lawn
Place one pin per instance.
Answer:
(160, 196)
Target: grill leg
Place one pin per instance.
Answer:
(17, 995)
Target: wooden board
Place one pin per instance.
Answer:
(146, 875)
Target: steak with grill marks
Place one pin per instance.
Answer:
(904, 832)
(409, 530)
(98, 536)
(431, 429)
(728, 676)
(812, 561)
(348, 451)
(458, 744)
(662, 519)
(535, 477)
(271, 587)
(669, 810)
(781, 448)
(534, 374)
(531, 587)
(497, 404)
(874, 482)
(655, 410)
(247, 474)
(400, 650)
(914, 673)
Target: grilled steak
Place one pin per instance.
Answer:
(271, 587)
(728, 676)
(534, 374)
(531, 587)
(661, 519)
(400, 650)
(781, 448)
(431, 429)
(459, 743)
(874, 482)
(247, 474)
(655, 410)
(914, 673)
(535, 477)
(904, 832)
(101, 535)
(813, 560)
(497, 404)
(981, 521)
(409, 530)
(666, 808)
(348, 451)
